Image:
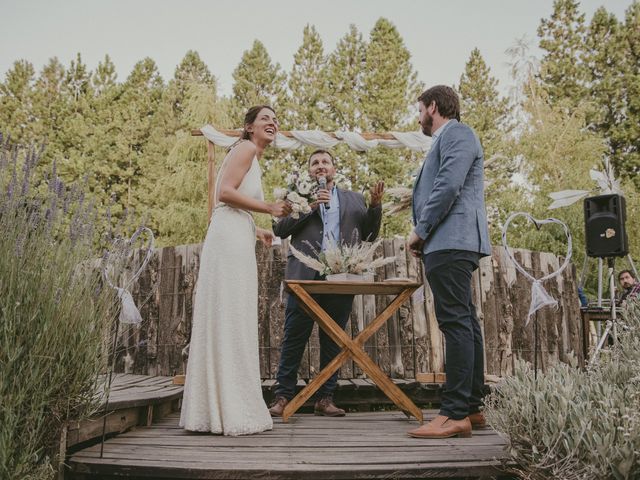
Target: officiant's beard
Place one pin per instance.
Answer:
(427, 125)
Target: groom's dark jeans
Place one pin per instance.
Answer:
(449, 275)
(297, 329)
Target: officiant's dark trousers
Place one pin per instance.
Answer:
(449, 275)
(297, 329)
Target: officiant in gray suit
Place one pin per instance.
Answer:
(338, 217)
(450, 236)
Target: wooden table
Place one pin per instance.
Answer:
(594, 314)
(351, 348)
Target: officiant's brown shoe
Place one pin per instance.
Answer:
(443, 427)
(478, 422)
(327, 408)
(277, 407)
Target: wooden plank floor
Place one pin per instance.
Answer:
(128, 390)
(358, 446)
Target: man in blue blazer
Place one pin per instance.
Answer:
(451, 235)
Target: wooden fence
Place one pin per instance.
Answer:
(409, 343)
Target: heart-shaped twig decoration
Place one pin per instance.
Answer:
(539, 296)
(129, 313)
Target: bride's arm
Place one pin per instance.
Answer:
(238, 165)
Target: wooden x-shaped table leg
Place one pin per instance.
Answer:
(351, 348)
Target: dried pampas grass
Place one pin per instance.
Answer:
(356, 259)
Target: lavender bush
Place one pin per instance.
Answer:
(572, 423)
(54, 313)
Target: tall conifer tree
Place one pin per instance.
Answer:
(256, 81)
(562, 71)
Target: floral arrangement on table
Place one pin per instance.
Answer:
(401, 199)
(355, 259)
(301, 190)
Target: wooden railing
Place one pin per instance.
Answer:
(409, 344)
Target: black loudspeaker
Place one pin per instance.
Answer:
(604, 226)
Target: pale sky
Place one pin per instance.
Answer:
(439, 35)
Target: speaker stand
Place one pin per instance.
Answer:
(611, 324)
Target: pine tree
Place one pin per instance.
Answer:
(481, 106)
(483, 110)
(105, 75)
(192, 70)
(562, 71)
(389, 90)
(136, 105)
(305, 107)
(345, 67)
(50, 107)
(78, 81)
(628, 133)
(344, 77)
(389, 82)
(607, 69)
(16, 97)
(257, 81)
(78, 122)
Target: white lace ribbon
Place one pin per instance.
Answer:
(539, 296)
(415, 141)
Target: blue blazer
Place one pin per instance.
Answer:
(448, 194)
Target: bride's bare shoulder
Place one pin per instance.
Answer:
(242, 153)
(243, 147)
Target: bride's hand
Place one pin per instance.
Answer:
(265, 236)
(280, 209)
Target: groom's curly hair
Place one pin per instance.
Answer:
(446, 100)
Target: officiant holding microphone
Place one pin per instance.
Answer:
(337, 217)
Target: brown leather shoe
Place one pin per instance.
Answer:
(478, 422)
(327, 408)
(443, 427)
(277, 407)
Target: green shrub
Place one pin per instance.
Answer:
(572, 423)
(54, 314)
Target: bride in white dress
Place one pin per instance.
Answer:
(223, 392)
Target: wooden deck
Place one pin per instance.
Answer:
(146, 443)
(133, 400)
(358, 446)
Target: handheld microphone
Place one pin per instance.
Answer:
(322, 182)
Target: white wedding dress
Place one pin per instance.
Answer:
(223, 391)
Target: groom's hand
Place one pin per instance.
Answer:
(415, 244)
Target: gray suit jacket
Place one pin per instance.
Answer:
(448, 194)
(357, 223)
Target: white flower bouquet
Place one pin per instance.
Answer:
(355, 259)
(300, 191)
